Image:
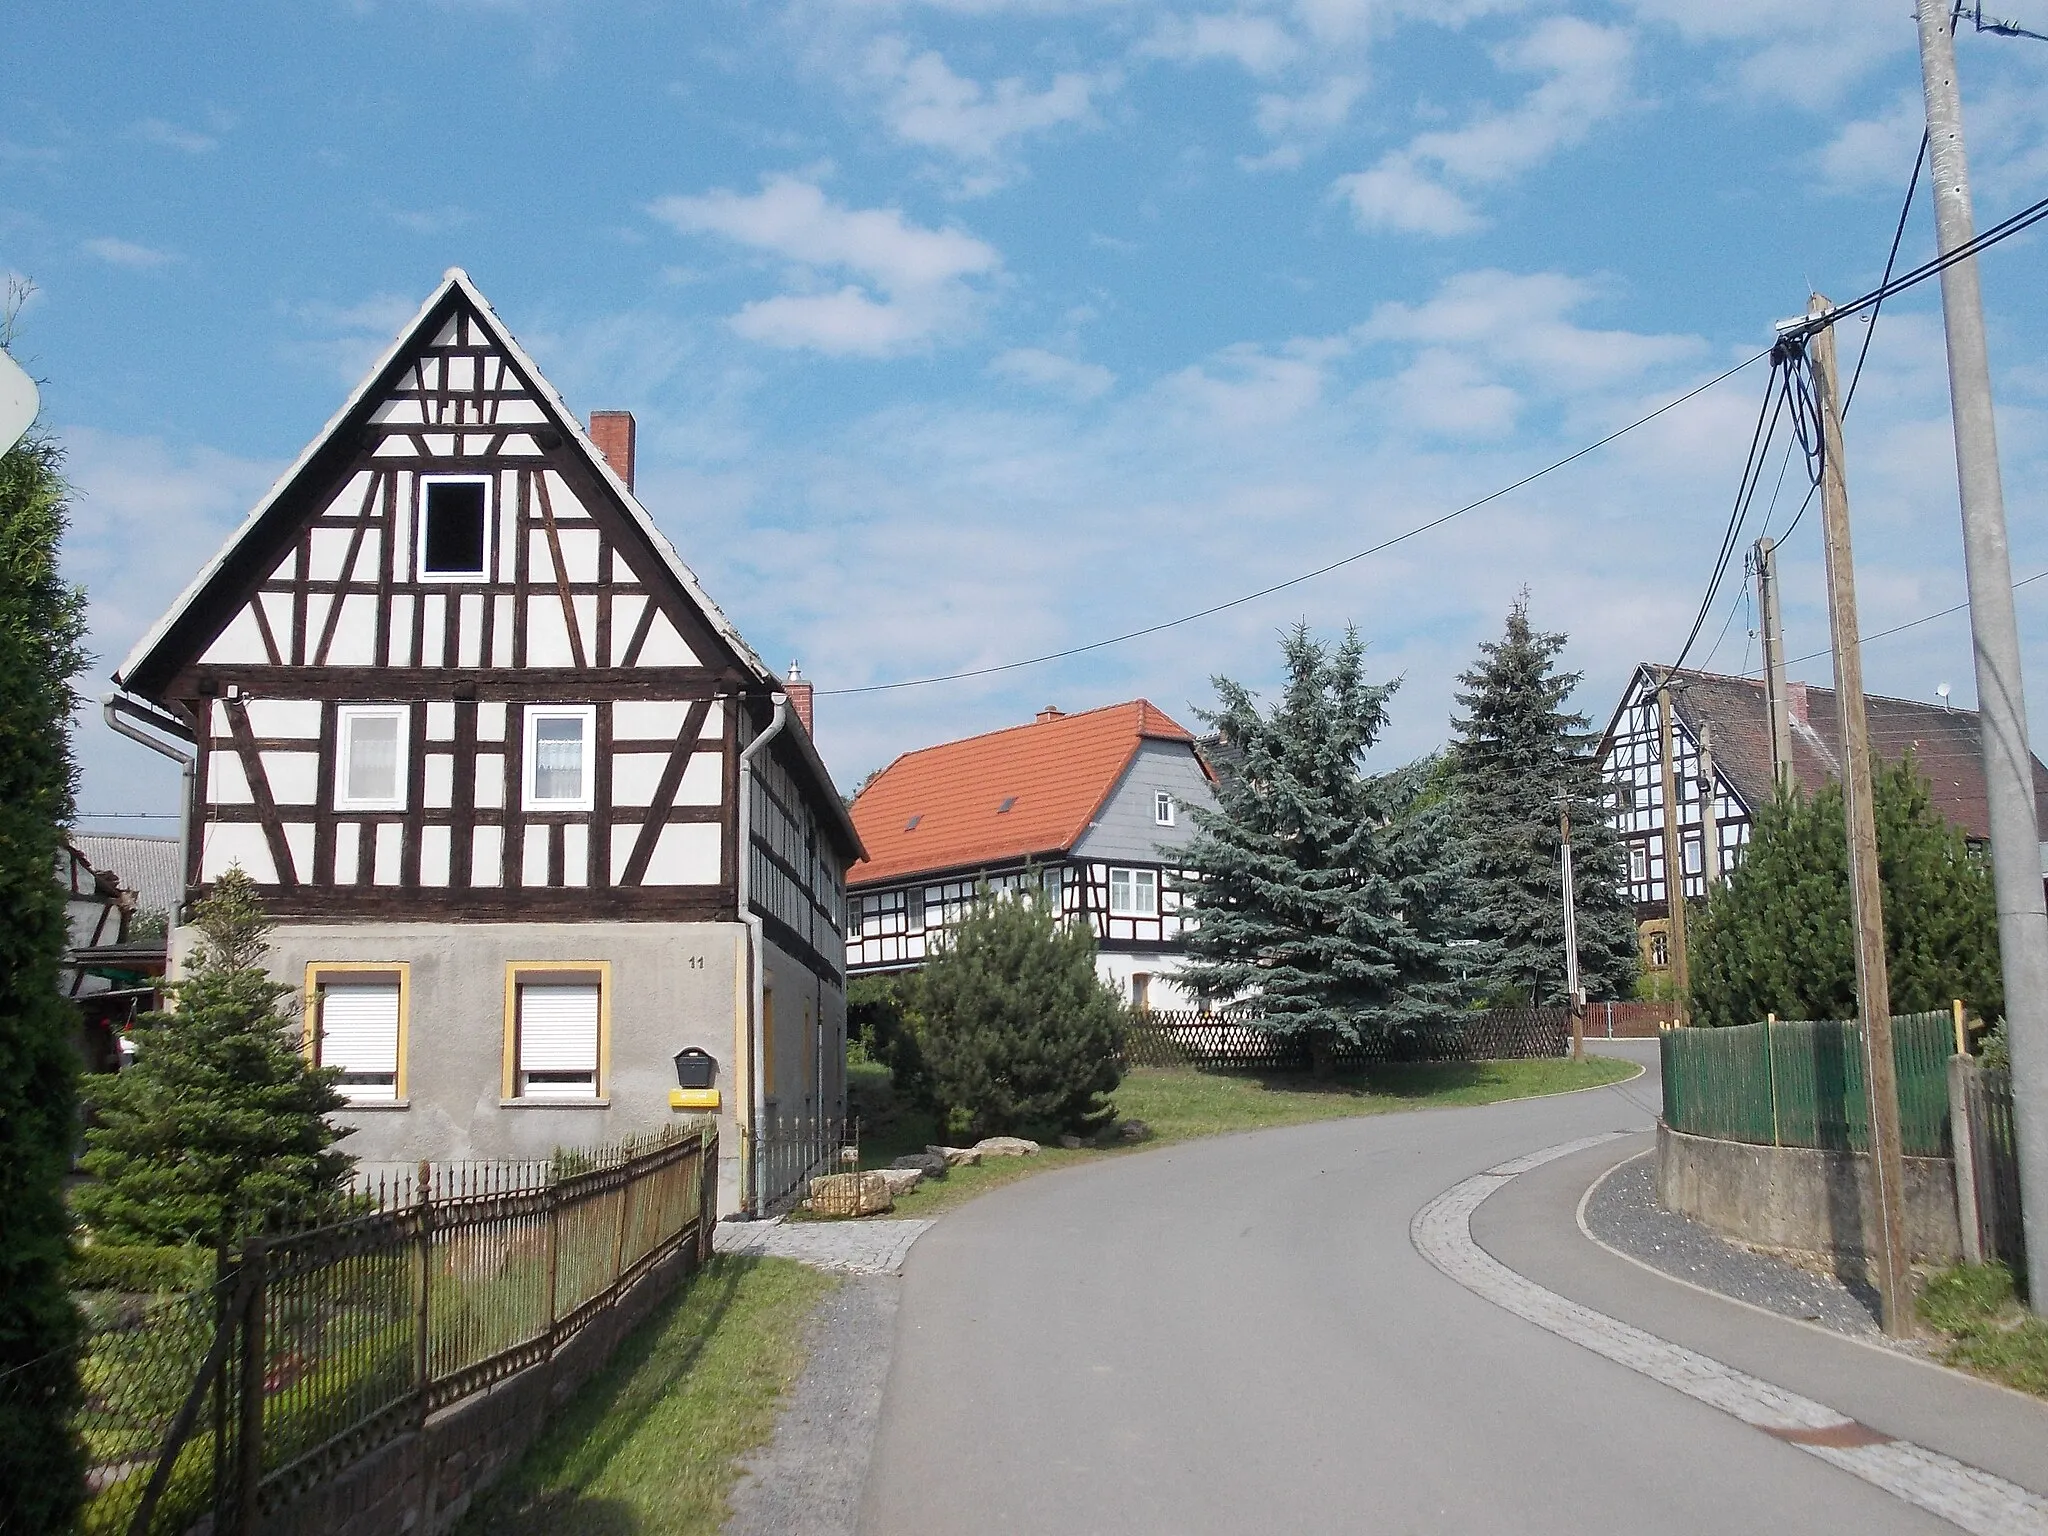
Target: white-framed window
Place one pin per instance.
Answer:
(371, 740)
(556, 1022)
(1660, 950)
(1162, 809)
(1134, 893)
(358, 1025)
(454, 542)
(1695, 855)
(1638, 863)
(560, 751)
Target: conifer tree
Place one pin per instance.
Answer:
(1019, 1030)
(42, 626)
(1777, 936)
(1292, 901)
(1519, 753)
(218, 1127)
(1440, 953)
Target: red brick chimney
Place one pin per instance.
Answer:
(799, 692)
(1050, 712)
(1795, 702)
(614, 433)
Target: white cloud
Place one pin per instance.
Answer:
(125, 253)
(350, 337)
(921, 273)
(1586, 70)
(1257, 44)
(192, 142)
(926, 104)
(1807, 53)
(1053, 373)
(1873, 151)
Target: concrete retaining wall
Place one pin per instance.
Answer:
(423, 1483)
(1799, 1198)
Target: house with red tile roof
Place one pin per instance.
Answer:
(1721, 758)
(1089, 808)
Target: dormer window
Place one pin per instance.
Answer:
(455, 527)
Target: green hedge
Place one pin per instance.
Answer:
(140, 1268)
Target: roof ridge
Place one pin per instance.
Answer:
(1031, 725)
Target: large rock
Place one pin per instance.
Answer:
(1133, 1130)
(957, 1157)
(1006, 1146)
(851, 1194)
(901, 1181)
(930, 1164)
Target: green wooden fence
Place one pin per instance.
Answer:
(1800, 1083)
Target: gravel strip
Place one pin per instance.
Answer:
(808, 1480)
(1624, 1214)
(865, 1247)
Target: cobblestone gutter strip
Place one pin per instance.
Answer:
(1966, 1497)
(867, 1247)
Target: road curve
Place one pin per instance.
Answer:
(1237, 1335)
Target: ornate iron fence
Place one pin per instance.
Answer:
(1235, 1038)
(786, 1153)
(314, 1347)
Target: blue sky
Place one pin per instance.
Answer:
(968, 330)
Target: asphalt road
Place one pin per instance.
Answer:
(1237, 1336)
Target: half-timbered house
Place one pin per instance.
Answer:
(1727, 720)
(530, 815)
(1087, 808)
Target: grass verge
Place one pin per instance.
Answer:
(1985, 1329)
(648, 1446)
(1181, 1103)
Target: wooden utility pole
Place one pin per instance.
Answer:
(1775, 699)
(1674, 863)
(1710, 812)
(1873, 979)
(1995, 640)
(1574, 999)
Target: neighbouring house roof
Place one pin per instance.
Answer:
(148, 866)
(1945, 743)
(940, 808)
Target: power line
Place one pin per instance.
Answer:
(1925, 618)
(1321, 570)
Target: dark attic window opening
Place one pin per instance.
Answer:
(452, 543)
(1004, 808)
(911, 825)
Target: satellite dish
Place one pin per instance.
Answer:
(18, 402)
(1941, 690)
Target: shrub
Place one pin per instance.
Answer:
(219, 1126)
(141, 1267)
(1019, 1032)
(882, 1022)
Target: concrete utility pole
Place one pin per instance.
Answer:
(1674, 863)
(1710, 819)
(1775, 700)
(1573, 999)
(1873, 978)
(1994, 634)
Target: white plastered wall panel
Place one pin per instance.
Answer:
(635, 776)
(285, 717)
(439, 770)
(703, 779)
(226, 784)
(686, 854)
(347, 852)
(639, 720)
(240, 644)
(277, 611)
(501, 630)
(576, 854)
(624, 835)
(533, 862)
(470, 634)
(490, 722)
(665, 647)
(294, 777)
(390, 848)
(434, 846)
(227, 844)
(490, 781)
(433, 628)
(487, 855)
(440, 720)
(579, 549)
(586, 622)
(401, 630)
(547, 635)
(355, 633)
(298, 842)
(329, 549)
(626, 608)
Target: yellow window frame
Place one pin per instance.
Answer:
(319, 971)
(518, 972)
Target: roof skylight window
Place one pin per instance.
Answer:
(1004, 808)
(911, 825)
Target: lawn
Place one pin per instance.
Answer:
(647, 1447)
(1184, 1102)
(1985, 1328)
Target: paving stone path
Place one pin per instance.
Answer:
(866, 1247)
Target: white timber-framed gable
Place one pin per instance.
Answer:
(450, 667)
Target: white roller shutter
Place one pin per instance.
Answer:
(359, 1034)
(558, 1039)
